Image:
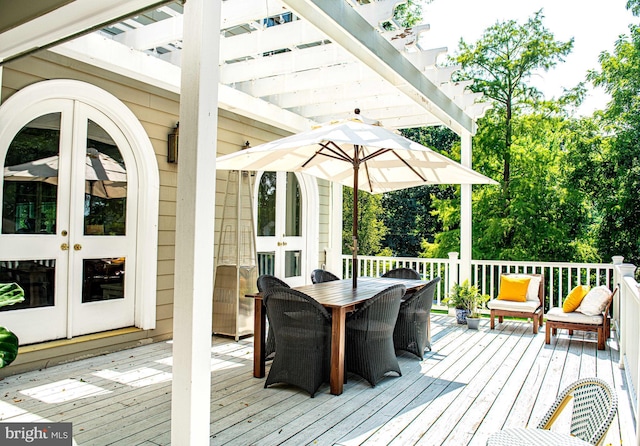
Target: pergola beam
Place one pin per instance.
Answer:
(349, 29)
(284, 63)
(256, 43)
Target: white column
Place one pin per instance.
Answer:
(465, 212)
(192, 311)
(1, 68)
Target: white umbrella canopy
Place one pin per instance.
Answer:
(356, 154)
(104, 176)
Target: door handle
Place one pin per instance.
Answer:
(64, 247)
(282, 243)
(77, 247)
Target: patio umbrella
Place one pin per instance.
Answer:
(356, 154)
(104, 176)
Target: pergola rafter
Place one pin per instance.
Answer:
(273, 57)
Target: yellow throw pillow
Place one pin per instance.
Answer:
(574, 298)
(514, 288)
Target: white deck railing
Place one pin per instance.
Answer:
(560, 277)
(627, 326)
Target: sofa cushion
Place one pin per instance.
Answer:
(534, 286)
(574, 298)
(527, 306)
(513, 288)
(595, 301)
(556, 314)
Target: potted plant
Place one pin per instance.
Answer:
(466, 299)
(10, 293)
(475, 302)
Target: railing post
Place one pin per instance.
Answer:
(617, 261)
(453, 276)
(620, 272)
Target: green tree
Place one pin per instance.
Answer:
(634, 6)
(618, 163)
(409, 213)
(501, 63)
(537, 213)
(371, 229)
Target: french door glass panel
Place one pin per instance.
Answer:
(30, 188)
(279, 226)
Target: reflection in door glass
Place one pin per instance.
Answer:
(293, 226)
(292, 264)
(105, 199)
(267, 205)
(266, 263)
(102, 279)
(37, 279)
(30, 178)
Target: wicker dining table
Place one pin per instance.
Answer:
(338, 297)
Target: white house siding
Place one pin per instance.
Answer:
(157, 110)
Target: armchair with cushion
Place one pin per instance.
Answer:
(411, 332)
(520, 295)
(581, 310)
(369, 336)
(302, 331)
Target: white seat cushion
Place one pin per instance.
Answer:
(528, 306)
(556, 314)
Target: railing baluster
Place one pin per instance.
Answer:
(560, 277)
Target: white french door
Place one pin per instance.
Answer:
(280, 227)
(68, 222)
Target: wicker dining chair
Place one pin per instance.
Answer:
(594, 406)
(266, 282)
(369, 336)
(302, 330)
(411, 332)
(321, 275)
(402, 273)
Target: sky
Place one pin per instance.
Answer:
(595, 26)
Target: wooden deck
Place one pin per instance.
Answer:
(473, 383)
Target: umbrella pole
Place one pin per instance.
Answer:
(354, 248)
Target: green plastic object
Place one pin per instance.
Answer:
(10, 294)
(8, 347)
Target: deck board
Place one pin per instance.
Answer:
(472, 384)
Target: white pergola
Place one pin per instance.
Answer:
(288, 63)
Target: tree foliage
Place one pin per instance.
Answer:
(527, 143)
(371, 227)
(500, 63)
(616, 166)
(409, 214)
(568, 185)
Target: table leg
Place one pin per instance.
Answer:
(259, 331)
(338, 320)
